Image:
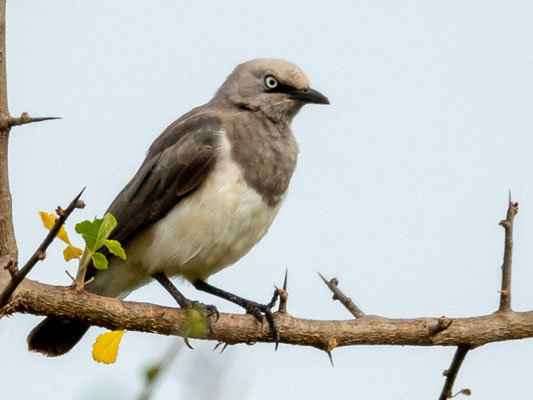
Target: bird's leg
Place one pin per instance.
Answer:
(251, 307)
(183, 301)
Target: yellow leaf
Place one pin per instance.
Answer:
(49, 220)
(71, 252)
(105, 348)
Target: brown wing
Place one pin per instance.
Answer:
(177, 163)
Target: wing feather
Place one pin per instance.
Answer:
(177, 163)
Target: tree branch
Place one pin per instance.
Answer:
(40, 299)
(339, 295)
(452, 372)
(40, 253)
(507, 223)
(8, 245)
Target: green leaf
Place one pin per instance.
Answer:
(115, 248)
(108, 224)
(96, 233)
(99, 261)
(88, 230)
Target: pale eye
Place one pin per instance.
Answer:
(271, 82)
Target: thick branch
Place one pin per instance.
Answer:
(8, 245)
(37, 298)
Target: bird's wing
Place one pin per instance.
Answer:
(177, 163)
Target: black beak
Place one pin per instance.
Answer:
(308, 95)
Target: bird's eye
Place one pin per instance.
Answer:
(271, 82)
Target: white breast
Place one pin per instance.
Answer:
(205, 232)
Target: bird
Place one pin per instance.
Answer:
(207, 191)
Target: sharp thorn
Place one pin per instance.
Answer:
(330, 357)
(324, 279)
(223, 348)
(186, 341)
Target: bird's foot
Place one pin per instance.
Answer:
(251, 307)
(259, 310)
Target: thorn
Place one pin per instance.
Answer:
(187, 343)
(26, 119)
(224, 348)
(285, 280)
(330, 358)
(324, 279)
(332, 343)
(510, 196)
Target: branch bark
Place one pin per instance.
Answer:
(40, 299)
(507, 223)
(8, 245)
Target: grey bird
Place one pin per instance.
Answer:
(206, 193)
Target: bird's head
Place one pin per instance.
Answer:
(277, 88)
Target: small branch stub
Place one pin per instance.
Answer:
(12, 268)
(440, 325)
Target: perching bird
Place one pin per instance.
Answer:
(206, 193)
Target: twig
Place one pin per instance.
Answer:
(40, 253)
(153, 374)
(451, 373)
(345, 300)
(507, 223)
(26, 119)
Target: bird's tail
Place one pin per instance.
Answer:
(55, 336)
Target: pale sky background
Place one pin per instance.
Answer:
(400, 183)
